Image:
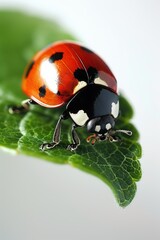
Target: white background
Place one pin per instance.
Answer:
(44, 201)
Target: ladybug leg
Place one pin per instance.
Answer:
(23, 108)
(75, 139)
(56, 137)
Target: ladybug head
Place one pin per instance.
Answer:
(102, 129)
(100, 126)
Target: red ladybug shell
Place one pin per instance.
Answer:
(57, 72)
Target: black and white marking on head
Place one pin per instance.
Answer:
(29, 68)
(42, 91)
(55, 57)
(86, 49)
(108, 126)
(97, 128)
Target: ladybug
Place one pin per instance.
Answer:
(71, 74)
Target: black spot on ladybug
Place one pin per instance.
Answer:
(58, 93)
(86, 49)
(93, 73)
(55, 57)
(29, 68)
(42, 91)
(81, 75)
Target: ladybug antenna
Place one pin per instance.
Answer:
(127, 132)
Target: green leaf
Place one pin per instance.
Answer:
(117, 164)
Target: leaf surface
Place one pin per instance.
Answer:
(117, 164)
